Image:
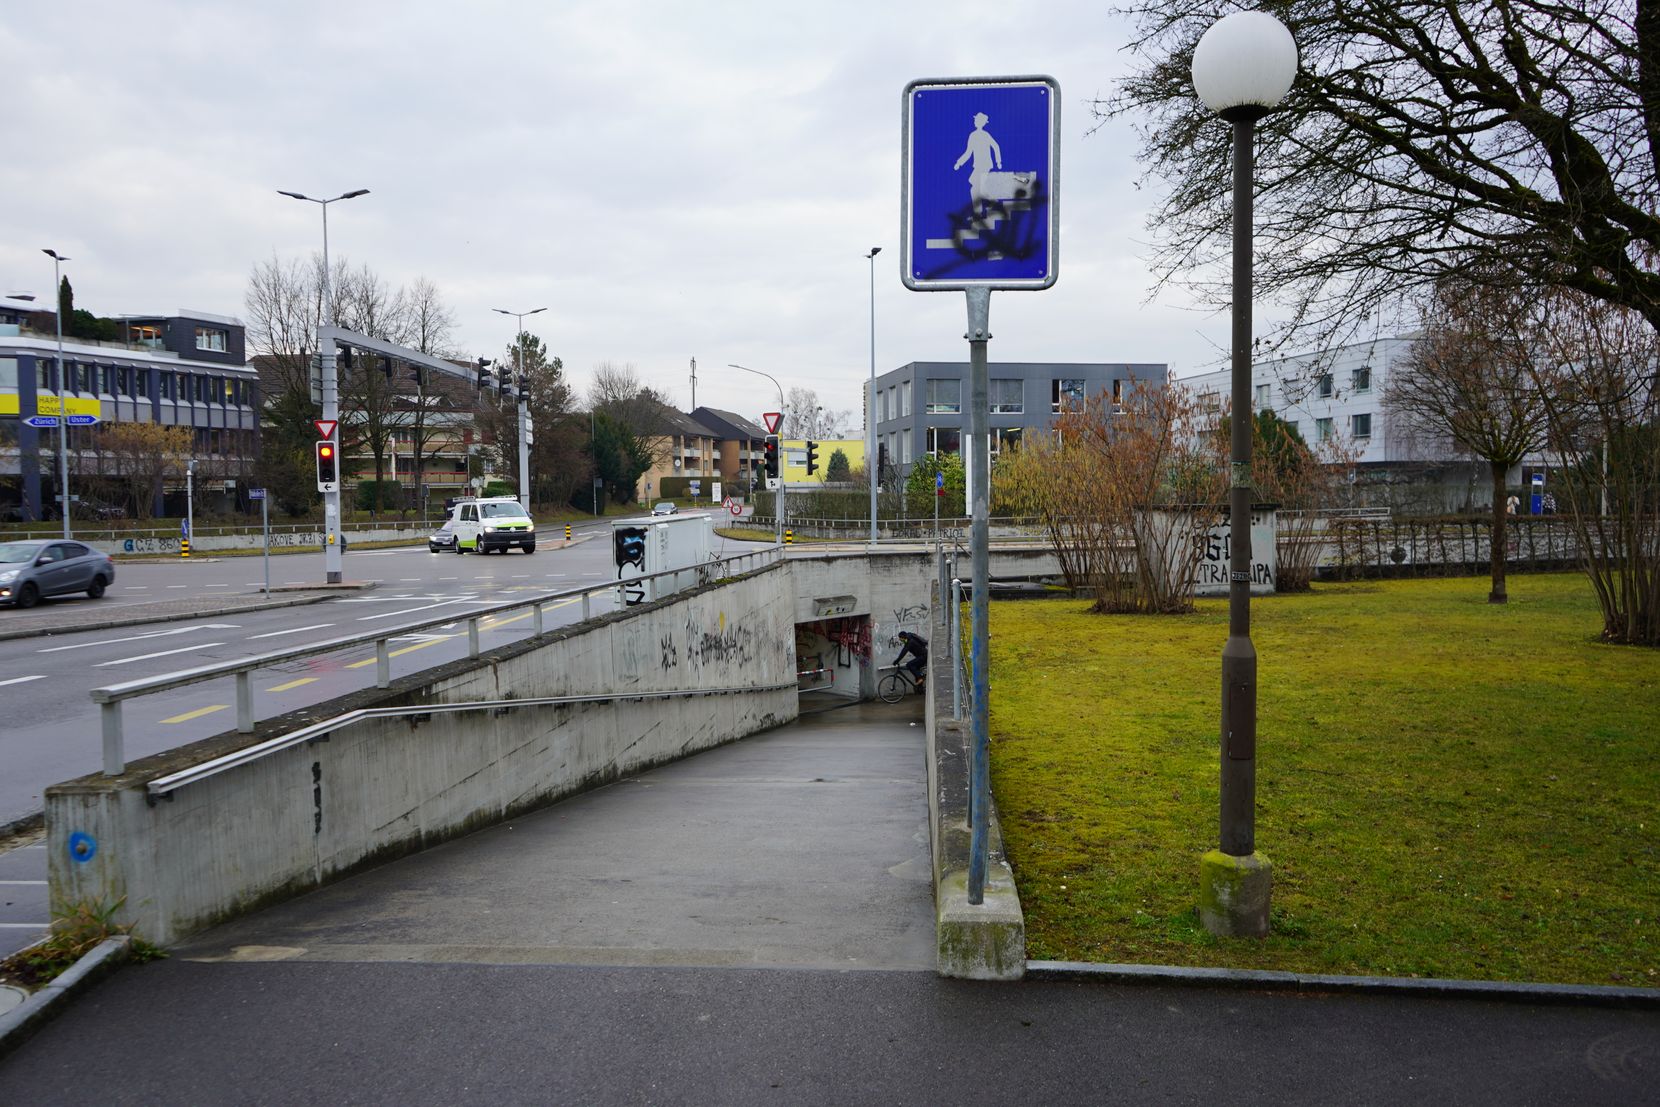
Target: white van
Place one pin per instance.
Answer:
(497, 523)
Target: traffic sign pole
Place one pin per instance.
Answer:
(333, 567)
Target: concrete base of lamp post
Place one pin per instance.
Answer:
(1234, 894)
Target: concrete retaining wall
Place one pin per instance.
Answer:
(381, 788)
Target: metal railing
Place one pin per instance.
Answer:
(110, 699)
(167, 785)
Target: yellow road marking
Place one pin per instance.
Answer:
(399, 653)
(196, 714)
(291, 684)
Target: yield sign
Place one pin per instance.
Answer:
(325, 427)
(772, 419)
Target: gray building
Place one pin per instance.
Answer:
(184, 371)
(922, 407)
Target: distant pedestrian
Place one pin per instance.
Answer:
(1511, 505)
(1549, 504)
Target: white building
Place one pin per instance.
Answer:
(1340, 394)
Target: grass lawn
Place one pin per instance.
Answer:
(1445, 787)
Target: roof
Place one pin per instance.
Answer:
(681, 423)
(735, 425)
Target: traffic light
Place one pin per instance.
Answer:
(328, 466)
(346, 358)
(772, 455)
(483, 372)
(630, 547)
(881, 457)
(812, 457)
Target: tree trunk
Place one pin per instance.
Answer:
(1497, 595)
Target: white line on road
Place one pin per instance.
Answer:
(178, 586)
(141, 637)
(412, 610)
(20, 680)
(409, 580)
(163, 653)
(24, 926)
(218, 586)
(137, 587)
(31, 883)
(280, 633)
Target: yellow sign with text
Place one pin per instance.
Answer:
(47, 404)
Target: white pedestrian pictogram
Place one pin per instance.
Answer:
(987, 156)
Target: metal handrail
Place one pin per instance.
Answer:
(110, 699)
(166, 785)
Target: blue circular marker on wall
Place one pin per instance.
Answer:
(83, 847)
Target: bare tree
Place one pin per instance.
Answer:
(1470, 377)
(806, 417)
(1421, 138)
(1601, 395)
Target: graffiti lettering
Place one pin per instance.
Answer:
(1002, 229)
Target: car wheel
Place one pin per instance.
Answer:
(530, 547)
(28, 595)
(458, 550)
(96, 590)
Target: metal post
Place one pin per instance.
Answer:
(536, 620)
(115, 758)
(1239, 659)
(265, 529)
(63, 393)
(333, 566)
(245, 703)
(587, 606)
(189, 501)
(957, 650)
(979, 457)
(472, 637)
(870, 445)
(383, 665)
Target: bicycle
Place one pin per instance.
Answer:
(897, 684)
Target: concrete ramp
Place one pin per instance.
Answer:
(803, 846)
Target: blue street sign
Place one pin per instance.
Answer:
(184, 528)
(42, 420)
(82, 420)
(939, 480)
(256, 493)
(981, 160)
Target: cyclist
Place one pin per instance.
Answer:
(917, 647)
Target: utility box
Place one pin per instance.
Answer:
(659, 544)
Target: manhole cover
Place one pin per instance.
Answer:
(11, 997)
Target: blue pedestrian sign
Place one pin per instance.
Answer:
(42, 420)
(981, 159)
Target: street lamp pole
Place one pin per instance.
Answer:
(333, 563)
(870, 404)
(1242, 67)
(778, 504)
(63, 391)
(524, 407)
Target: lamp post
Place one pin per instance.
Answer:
(870, 404)
(63, 389)
(524, 407)
(333, 565)
(778, 506)
(1242, 67)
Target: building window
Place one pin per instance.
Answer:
(205, 389)
(1006, 438)
(1210, 402)
(945, 397)
(1118, 392)
(1360, 426)
(1066, 395)
(905, 400)
(8, 373)
(208, 338)
(1263, 394)
(109, 380)
(887, 404)
(1322, 430)
(945, 440)
(905, 449)
(141, 382)
(1323, 386)
(1362, 380)
(231, 397)
(166, 391)
(1007, 397)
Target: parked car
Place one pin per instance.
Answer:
(30, 571)
(442, 539)
(664, 508)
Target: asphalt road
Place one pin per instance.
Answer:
(49, 727)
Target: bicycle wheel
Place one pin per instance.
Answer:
(892, 688)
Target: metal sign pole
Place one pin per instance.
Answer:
(333, 567)
(265, 528)
(979, 333)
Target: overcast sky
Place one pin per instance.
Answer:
(670, 180)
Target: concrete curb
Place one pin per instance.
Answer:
(23, 824)
(1434, 987)
(18, 1024)
(140, 620)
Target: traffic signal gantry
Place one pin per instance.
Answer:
(328, 466)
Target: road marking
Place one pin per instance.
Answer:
(411, 610)
(409, 580)
(397, 653)
(520, 576)
(449, 578)
(31, 883)
(196, 714)
(296, 630)
(293, 582)
(163, 653)
(218, 586)
(136, 587)
(292, 684)
(140, 637)
(178, 586)
(25, 926)
(20, 680)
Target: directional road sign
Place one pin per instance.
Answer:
(82, 420)
(42, 420)
(981, 159)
